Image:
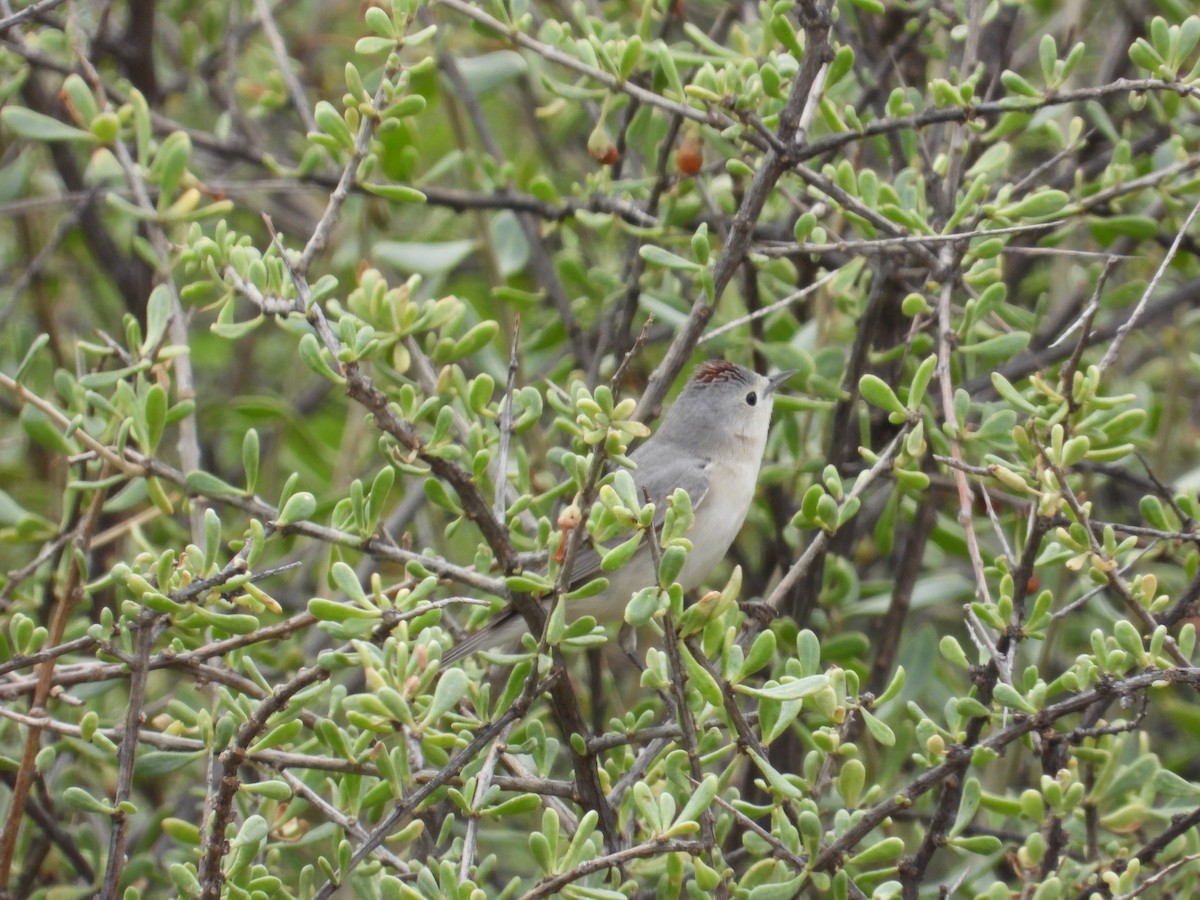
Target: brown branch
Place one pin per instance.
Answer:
(816, 22)
(69, 593)
(135, 715)
(659, 847)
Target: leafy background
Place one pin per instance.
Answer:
(318, 315)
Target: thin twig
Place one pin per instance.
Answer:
(1123, 332)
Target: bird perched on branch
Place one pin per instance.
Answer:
(710, 444)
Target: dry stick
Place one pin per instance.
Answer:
(55, 833)
(748, 742)
(14, 578)
(617, 334)
(658, 847)
(349, 824)
(1125, 188)
(965, 517)
(482, 786)
(500, 475)
(1123, 332)
(282, 760)
(816, 22)
(33, 659)
(903, 244)
(818, 543)
(555, 792)
(283, 65)
(890, 626)
(1162, 874)
(127, 755)
(216, 648)
(362, 141)
(687, 729)
(1181, 824)
(188, 443)
(1084, 324)
(71, 592)
(566, 707)
(791, 298)
(29, 12)
(608, 80)
(948, 803)
(1034, 360)
(960, 114)
(67, 676)
(277, 759)
(462, 200)
(214, 847)
(362, 389)
(33, 268)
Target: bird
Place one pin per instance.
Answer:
(710, 444)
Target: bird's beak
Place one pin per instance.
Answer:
(774, 382)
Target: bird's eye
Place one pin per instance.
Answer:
(751, 398)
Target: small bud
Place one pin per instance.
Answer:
(601, 147)
(569, 517)
(689, 158)
(568, 520)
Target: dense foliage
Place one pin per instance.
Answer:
(319, 315)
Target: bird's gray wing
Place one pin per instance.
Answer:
(659, 481)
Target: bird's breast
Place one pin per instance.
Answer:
(719, 517)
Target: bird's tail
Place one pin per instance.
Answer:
(505, 630)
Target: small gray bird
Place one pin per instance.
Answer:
(711, 444)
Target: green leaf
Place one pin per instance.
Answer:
(155, 410)
(881, 732)
(666, 259)
(208, 485)
(154, 763)
(451, 687)
(702, 796)
(1038, 205)
(332, 611)
(299, 508)
(399, 193)
(45, 432)
(1007, 695)
(980, 844)
(330, 121)
(642, 607)
(279, 791)
(476, 339)
(489, 71)
(621, 554)
(877, 392)
(34, 126)
(380, 22)
(314, 357)
(791, 689)
(81, 799)
(277, 736)
(1003, 346)
(882, 851)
